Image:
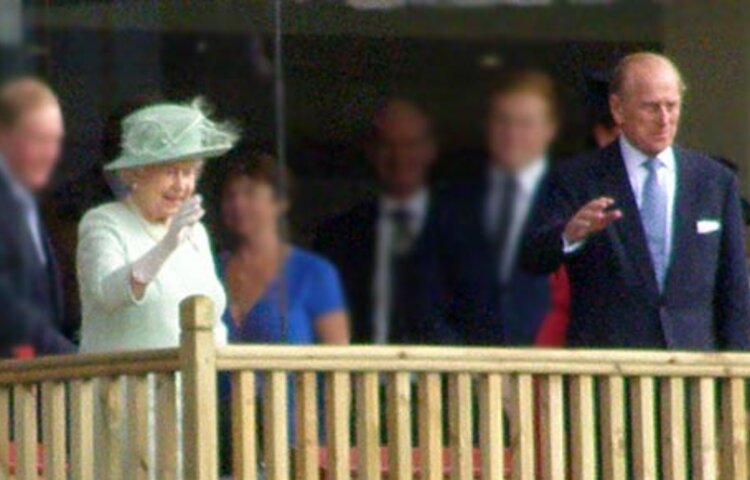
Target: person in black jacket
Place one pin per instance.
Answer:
(375, 244)
(31, 134)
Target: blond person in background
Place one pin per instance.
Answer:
(139, 257)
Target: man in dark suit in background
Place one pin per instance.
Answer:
(31, 134)
(651, 233)
(480, 295)
(374, 244)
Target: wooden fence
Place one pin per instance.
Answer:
(384, 412)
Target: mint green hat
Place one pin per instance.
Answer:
(171, 132)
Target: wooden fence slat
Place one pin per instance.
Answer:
(430, 417)
(244, 426)
(643, 401)
(522, 428)
(110, 441)
(703, 430)
(139, 458)
(552, 428)
(583, 435)
(614, 441)
(460, 426)
(26, 437)
(368, 426)
(337, 401)
(674, 459)
(5, 425)
(166, 426)
(491, 427)
(399, 425)
(81, 430)
(734, 428)
(199, 396)
(307, 450)
(276, 426)
(53, 430)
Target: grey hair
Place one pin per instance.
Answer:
(621, 71)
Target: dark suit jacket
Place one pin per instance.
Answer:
(30, 292)
(469, 304)
(615, 298)
(349, 241)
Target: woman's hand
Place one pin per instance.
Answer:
(181, 225)
(145, 269)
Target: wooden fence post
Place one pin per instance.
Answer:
(199, 400)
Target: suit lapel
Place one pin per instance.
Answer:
(684, 214)
(55, 279)
(627, 234)
(26, 245)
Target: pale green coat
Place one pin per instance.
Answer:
(111, 238)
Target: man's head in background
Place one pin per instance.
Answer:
(404, 148)
(646, 100)
(523, 119)
(31, 131)
(603, 128)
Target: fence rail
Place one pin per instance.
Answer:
(373, 412)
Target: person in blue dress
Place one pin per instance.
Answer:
(278, 293)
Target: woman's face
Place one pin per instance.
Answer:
(249, 207)
(160, 190)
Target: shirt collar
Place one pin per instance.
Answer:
(635, 158)
(416, 204)
(528, 177)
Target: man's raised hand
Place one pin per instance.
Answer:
(594, 217)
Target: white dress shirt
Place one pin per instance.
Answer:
(528, 180)
(417, 206)
(638, 172)
(30, 209)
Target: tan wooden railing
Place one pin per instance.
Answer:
(476, 413)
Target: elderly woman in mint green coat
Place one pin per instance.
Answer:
(140, 256)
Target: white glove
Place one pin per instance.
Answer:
(145, 269)
(181, 225)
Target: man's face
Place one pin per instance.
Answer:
(520, 129)
(32, 146)
(404, 154)
(648, 108)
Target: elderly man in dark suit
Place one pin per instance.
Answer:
(651, 233)
(31, 133)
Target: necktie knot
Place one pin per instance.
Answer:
(652, 164)
(401, 216)
(508, 185)
(403, 235)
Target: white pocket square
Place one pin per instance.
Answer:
(707, 226)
